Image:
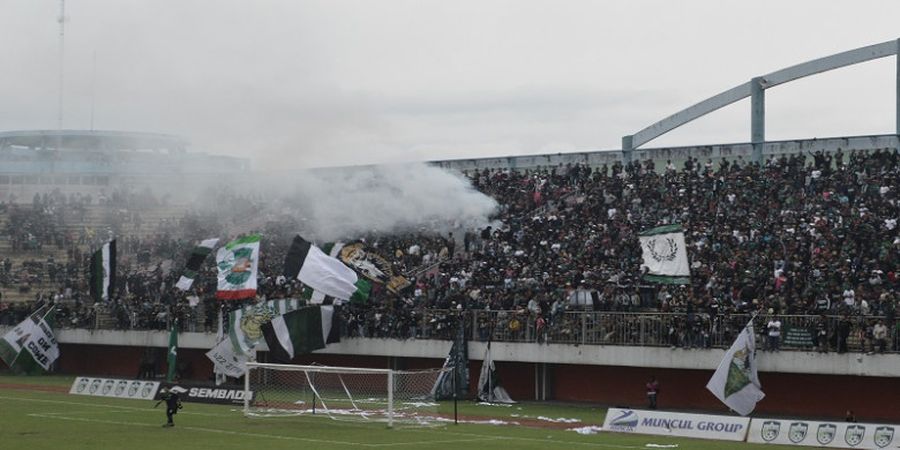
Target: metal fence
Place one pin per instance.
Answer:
(649, 329)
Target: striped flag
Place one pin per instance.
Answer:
(195, 261)
(323, 273)
(301, 331)
(103, 272)
(245, 324)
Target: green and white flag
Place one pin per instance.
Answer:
(31, 346)
(736, 382)
(302, 331)
(172, 355)
(103, 272)
(665, 255)
(238, 262)
(220, 337)
(245, 324)
(195, 262)
(323, 273)
(226, 361)
(314, 297)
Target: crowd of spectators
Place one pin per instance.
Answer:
(812, 235)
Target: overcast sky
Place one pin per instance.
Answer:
(298, 83)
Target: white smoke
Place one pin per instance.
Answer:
(342, 203)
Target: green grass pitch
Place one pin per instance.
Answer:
(32, 418)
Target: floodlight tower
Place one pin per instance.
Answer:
(62, 50)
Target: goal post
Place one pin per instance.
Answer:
(341, 393)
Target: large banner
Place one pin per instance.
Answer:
(34, 337)
(823, 434)
(205, 393)
(703, 426)
(113, 387)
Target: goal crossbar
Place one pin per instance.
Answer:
(321, 369)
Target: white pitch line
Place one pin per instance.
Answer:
(100, 405)
(260, 435)
(444, 441)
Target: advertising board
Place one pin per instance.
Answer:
(704, 426)
(114, 387)
(823, 434)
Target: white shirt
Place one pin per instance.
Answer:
(774, 327)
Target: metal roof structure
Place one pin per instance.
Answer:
(755, 89)
(92, 140)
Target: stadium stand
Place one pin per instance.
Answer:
(811, 238)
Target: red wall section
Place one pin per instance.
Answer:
(871, 398)
(124, 362)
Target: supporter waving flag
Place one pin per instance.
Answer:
(103, 272)
(735, 381)
(324, 274)
(301, 331)
(238, 263)
(31, 347)
(198, 255)
(665, 255)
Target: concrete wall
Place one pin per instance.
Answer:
(855, 364)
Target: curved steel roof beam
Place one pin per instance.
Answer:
(782, 76)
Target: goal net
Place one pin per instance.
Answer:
(342, 393)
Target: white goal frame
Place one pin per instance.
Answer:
(324, 369)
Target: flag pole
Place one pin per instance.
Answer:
(455, 416)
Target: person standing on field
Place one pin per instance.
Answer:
(652, 392)
(173, 404)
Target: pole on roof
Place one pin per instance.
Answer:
(627, 148)
(897, 93)
(757, 117)
(62, 53)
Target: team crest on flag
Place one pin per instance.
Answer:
(238, 264)
(369, 264)
(252, 321)
(854, 435)
(665, 255)
(826, 433)
(884, 436)
(797, 432)
(738, 372)
(245, 324)
(770, 430)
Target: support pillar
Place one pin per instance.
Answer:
(897, 93)
(757, 117)
(627, 148)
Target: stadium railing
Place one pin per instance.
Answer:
(648, 329)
